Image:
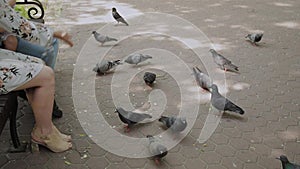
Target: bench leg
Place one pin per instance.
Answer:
(17, 146)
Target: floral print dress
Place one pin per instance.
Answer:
(17, 69)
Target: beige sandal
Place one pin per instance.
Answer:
(52, 141)
(65, 137)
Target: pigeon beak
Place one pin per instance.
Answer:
(277, 158)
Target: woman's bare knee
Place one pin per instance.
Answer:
(44, 78)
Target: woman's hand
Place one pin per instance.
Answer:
(64, 36)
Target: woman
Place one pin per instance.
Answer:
(19, 72)
(34, 39)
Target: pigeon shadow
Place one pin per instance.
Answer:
(105, 74)
(109, 45)
(141, 64)
(259, 45)
(231, 71)
(119, 24)
(233, 117)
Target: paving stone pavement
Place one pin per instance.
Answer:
(270, 72)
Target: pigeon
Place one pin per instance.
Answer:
(176, 124)
(254, 37)
(102, 38)
(149, 78)
(137, 58)
(202, 79)
(157, 150)
(221, 103)
(131, 118)
(286, 164)
(106, 66)
(222, 62)
(118, 17)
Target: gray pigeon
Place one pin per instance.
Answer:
(118, 17)
(202, 79)
(102, 38)
(106, 66)
(221, 103)
(254, 37)
(222, 62)
(157, 150)
(149, 78)
(286, 164)
(131, 118)
(137, 58)
(176, 124)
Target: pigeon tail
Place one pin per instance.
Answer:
(163, 118)
(126, 23)
(148, 56)
(237, 109)
(147, 116)
(112, 39)
(117, 62)
(195, 70)
(231, 67)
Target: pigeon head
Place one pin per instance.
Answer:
(119, 109)
(149, 136)
(94, 32)
(212, 51)
(214, 88)
(247, 36)
(183, 119)
(283, 159)
(114, 9)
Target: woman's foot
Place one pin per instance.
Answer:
(63, 136)
(53, 141)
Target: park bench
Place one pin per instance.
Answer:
(9, 102)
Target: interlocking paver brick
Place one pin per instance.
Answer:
(252, 166)
(37, 158)
(215, 167)
(174, 159)
(76, 158)
(96, 150)
(190, 152)
(269, 162)
(97, 162)
(219, 139)
(232, 132)
(117, 166)
(232, 162)
(239, 144)
(19, 164)
(113, 158)
(247, 156)
(273, 142)
(261, 149)
(194, 163)
(3, 160)
(225, 150)
(57, 163)
(210, 157)
(136, 162)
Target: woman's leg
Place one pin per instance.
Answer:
(41, 98)
(41, 95)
